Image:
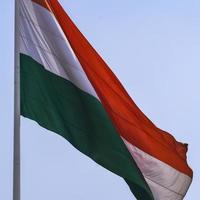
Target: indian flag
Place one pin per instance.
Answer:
(66, 87)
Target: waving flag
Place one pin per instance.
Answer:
(67, 88)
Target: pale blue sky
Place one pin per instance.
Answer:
(154, 48)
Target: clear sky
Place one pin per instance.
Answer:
(154, 49)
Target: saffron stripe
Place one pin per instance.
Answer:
(128, 119)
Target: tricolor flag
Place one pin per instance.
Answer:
(66, 87)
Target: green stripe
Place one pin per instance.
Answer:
(58, 105)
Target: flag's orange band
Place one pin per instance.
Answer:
(127, 118)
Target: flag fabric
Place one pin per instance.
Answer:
(66, 87)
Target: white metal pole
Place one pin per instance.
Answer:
(16, 153)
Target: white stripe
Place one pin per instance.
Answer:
(42, 39)
(165, 182)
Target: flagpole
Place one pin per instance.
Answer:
(16, 148)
